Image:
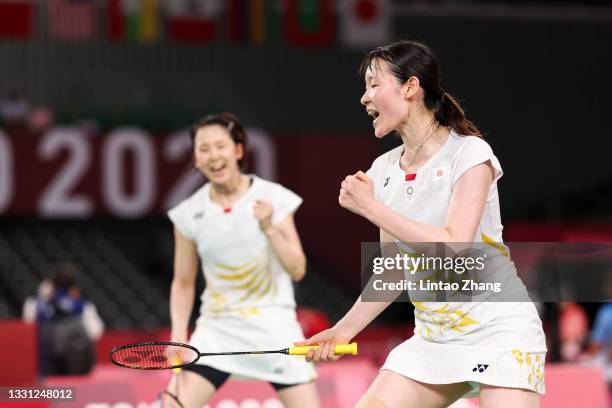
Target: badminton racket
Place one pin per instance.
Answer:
(164, 355)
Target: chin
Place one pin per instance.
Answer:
(214, 179)
(219, 180)
(380, 133)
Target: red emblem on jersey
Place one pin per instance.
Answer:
(410, 177)
(439, 173)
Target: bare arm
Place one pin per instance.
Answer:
(361, 314)
(284, 239)
(182, 291)
(286, 244)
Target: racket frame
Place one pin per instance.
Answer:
(154, 343)
(346, 349)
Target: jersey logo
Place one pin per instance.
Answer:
(410, 178)
(198, 215)
(439, 172)
(386, 181)
(480, 368)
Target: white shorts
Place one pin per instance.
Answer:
(272, 329)
(508, 351)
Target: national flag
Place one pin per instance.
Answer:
(137, 20)
(149, 20)
(16, 19)
(193, 20)
(254, 21)
(237, 22)
(309, 22)
(365, 23)
(71, 19)
(258, 22)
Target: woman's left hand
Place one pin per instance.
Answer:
(357, 193)
(263, 212)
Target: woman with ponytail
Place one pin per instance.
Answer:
(439, 185)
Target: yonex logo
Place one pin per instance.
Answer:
(480, 368)
(386, 181)
(198, 215)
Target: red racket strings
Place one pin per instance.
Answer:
(154, 356)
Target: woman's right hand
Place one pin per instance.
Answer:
(178, 355)
(326, 340)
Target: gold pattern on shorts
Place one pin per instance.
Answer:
(442, 318)
(534, 366)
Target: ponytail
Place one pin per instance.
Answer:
(452, 115)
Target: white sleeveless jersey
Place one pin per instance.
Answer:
(242, 272)
(248, 302)
(425, 197)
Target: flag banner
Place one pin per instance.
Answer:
(16, 19)
(254, 22)
(309, 22)
(136, 20)
(71, 19)
(365, 23)
(193, 20)
(236, 14)
(149, 21)
(257, 22)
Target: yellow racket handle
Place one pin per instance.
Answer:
(339, 349)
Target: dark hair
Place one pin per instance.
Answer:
(224, 119)
(64, 276)
(412, 58)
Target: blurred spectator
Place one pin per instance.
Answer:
(41, 119)
(68, 325)
(600, 345)
(573, 330)
(14, 109)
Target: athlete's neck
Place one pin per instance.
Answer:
(415, 128)
(235, 186)
(422, 137)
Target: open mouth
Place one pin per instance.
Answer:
(217, 169)
(374, 114)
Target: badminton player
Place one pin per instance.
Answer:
(242, 230)
(440, 185)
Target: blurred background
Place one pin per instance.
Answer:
(96, 97)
